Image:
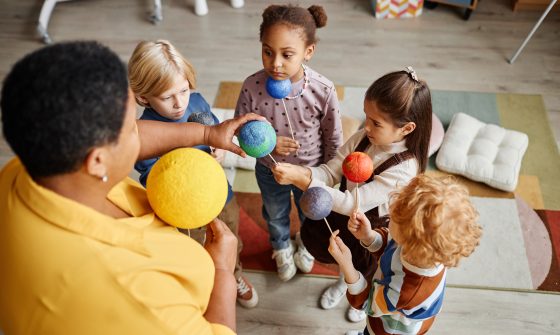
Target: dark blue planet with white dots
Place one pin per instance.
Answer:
(316, 203)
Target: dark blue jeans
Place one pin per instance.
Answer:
(277, 206)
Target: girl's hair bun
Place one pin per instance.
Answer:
(319, 15)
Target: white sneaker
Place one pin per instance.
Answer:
(333, 294)
(355, 315)
(285, 262)
(354, 332)
(237, 3)
(246, 294)
(303, 259)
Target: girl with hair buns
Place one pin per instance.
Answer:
(307, 120)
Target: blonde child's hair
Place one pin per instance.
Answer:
(153, 67)
(436, 222)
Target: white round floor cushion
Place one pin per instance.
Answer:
(482, 152)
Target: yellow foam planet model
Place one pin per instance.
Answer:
(187, 188)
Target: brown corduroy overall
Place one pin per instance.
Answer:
(315, 234)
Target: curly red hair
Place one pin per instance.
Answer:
(436, 222)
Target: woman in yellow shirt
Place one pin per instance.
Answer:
(81, 251)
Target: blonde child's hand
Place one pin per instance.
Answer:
(287, 174)
(219, 155)
(360, 227)
(285, 145)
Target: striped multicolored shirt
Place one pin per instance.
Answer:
(401, 298)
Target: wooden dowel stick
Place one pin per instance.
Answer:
(328, 225)
(274, 160)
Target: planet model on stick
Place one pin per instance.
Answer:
(316, 203)
(278, 89)
(187, 188)
(204, 118)
(257, 138)
(357, 167)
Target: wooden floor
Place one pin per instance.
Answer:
(354, 49)
(292, 308)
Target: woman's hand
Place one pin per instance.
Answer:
(285, 145)
(286, 174)
(221, 135)
(360, 227)
(221, 244)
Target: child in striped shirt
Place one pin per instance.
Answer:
(433, 225)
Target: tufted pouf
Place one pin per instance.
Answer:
(482, 152)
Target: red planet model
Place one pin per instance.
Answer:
(357, 167)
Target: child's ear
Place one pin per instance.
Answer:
(408, 128)
(143, 100)
(309, 52)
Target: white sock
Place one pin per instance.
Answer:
(340, 281)
(200, 7)
(237, 3)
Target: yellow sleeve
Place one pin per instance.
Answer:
(221, 329)
(174, 303)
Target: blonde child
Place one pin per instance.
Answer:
(163, 81)
(433, 225)
(307, 121)
(396, 137)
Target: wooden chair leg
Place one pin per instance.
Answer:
(157, 15)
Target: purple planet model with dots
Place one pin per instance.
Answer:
(316, 203)
(204, 118)
(257, 138)
(278, 89)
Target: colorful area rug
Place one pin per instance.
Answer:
(520, 249)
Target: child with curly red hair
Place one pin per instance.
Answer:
(433, 225)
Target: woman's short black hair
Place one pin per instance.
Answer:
(61, 101)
